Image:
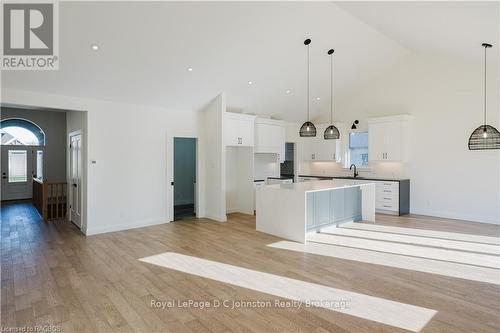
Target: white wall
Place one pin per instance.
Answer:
(214, 174)
(445, 99)
(127, 187)
(53, 123)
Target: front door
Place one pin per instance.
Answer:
(76, 179)
(17, 172)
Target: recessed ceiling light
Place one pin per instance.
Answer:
(94, 47)
(318, 98)
(250, 83)
(288, 91)
(190, 69)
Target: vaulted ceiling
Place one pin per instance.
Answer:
(145, 50)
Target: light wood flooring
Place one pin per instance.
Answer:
(53, 275)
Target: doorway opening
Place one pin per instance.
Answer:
(38, 163)
(184, 183)
(288, 166)
(22, 144)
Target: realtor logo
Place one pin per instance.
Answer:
(30, 36)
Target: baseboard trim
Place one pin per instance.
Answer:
(121, 227)
(214, 218)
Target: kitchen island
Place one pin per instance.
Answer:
(291, 211)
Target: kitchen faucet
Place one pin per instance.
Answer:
(355, 172)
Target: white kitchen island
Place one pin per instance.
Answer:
(291, 211)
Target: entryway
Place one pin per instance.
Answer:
(43, 161)
(184, 184)
(22, 151)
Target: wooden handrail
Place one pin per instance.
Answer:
(50, 199)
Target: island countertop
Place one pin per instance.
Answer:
(291, 211)
(316, 186)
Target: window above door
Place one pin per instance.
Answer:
(21, 132)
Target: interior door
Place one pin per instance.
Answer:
(17, 172)
(76, 179)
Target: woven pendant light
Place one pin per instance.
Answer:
(307, 129)
(331, 132)
(485, 136)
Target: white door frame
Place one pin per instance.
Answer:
(83, 221)
(170, 175)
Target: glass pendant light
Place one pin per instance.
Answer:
(331, 132)
(307, 129)
(485, 136)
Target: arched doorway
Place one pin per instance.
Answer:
(22, 145)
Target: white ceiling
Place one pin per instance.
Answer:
(146, 48)
(451, 28)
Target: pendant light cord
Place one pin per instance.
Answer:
(331, 89)
(308, 82)
(485, 85)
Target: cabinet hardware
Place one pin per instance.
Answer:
(387, 199)
(387, 206)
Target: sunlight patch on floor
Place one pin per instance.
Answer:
(384, 311)
(477, 259)
(424, 232)
(415, 240)
(462, 271)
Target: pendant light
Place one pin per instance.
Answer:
(485, 136)
(331, 132)
(307, 129)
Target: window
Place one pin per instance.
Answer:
(39, 164)
(18, 166)
(21, 132)
(358, 149)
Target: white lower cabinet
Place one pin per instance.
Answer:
(387, 197)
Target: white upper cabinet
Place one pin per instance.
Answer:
(388, 138)
(239, 129)
(308, 149)
(270, 137)
(319, 149)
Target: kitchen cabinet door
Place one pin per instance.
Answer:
(308, 149)
(394, 141)
(387, 138)
(239, 130)
(376, 141)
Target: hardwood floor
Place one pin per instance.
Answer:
(53, 275)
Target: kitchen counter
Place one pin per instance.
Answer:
(316, 186)
(382, 179)
(291, 211)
